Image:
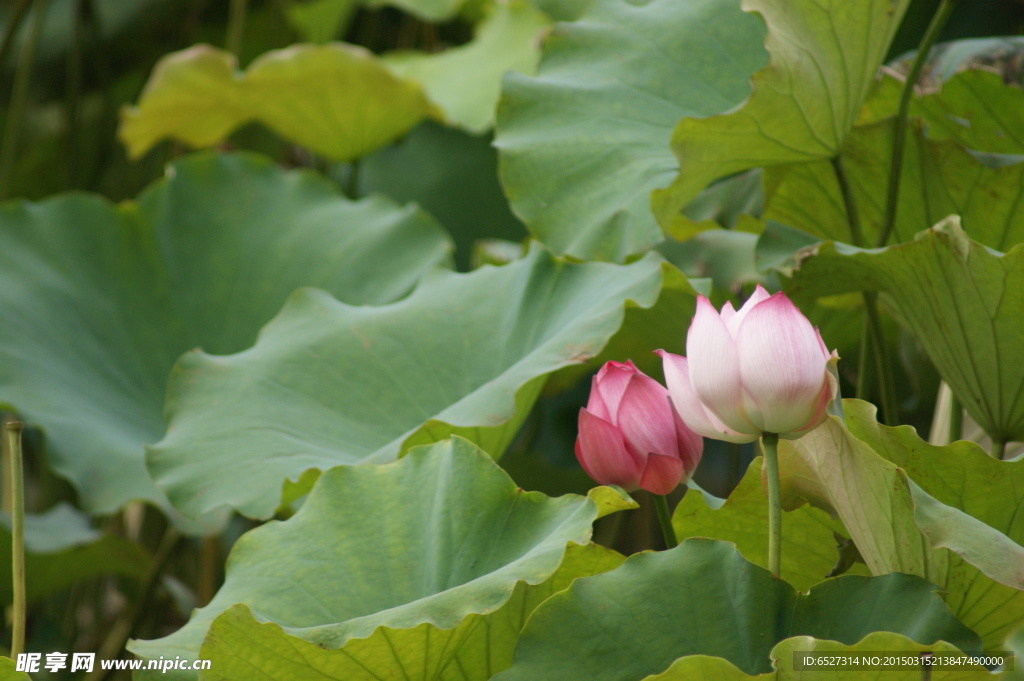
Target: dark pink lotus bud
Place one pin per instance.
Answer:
(631, 436)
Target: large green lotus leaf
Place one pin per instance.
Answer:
(786, 654)
(967, 495)
(977, 109)
(584, 143)
(240, 647)
(329, 384)
(61, 548)
(703, 598)
(960, 299)
(824, 55)
(98, 300)
(899, 528)
(938, 179)
(337, 100)
(433, 538)
(465, 82)
(807, 532)
(646, 328)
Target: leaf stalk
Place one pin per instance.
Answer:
(12, 435)
(899, 137)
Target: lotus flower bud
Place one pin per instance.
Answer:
(631, 436)
(760, 369)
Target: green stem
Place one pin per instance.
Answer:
(12, 431)
(236, 26)
(998, 450)
(352, 181)
(667, 531)
(209, 569)
(19, 98)
(886, 382)
(852, 214)
(113, 644)
(899, 137)
(769, 443)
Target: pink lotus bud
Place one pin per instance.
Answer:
(631, 436)
(761, 369)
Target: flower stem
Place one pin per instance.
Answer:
(667, 531)
(926, 667)
(899, 136)
(12, 433)
(769, 442)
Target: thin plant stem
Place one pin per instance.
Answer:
(926, 667)
(665, 519)
(119, 634)
(852, 214)
(19, 98)
(886, 382)
(769, 443)
(7, 492)
(352, 181)
(209, 569)
(12, 433)
(899, 136)
(236, 26)
(998, 450)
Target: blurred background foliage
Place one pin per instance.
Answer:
(74, 72)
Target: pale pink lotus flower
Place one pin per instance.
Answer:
(631, 436)
(760, 369)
